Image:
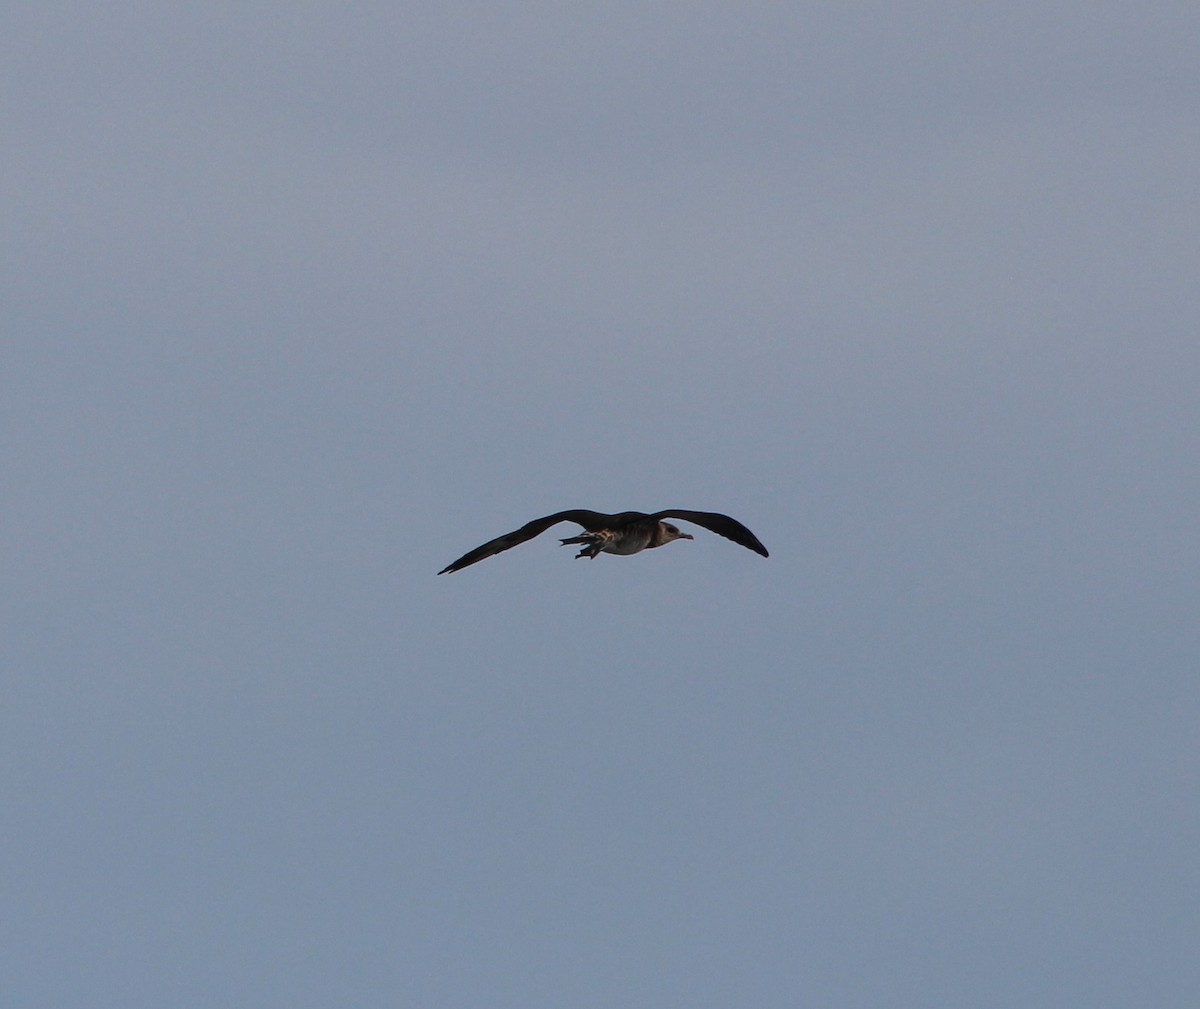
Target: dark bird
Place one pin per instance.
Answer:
(623, 533)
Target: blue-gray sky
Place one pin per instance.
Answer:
(302, 301)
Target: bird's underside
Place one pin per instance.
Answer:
(623, 533)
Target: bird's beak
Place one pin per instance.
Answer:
(686, 536)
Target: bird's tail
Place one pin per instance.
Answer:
(592, 544)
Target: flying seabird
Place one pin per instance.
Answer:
(623, 533)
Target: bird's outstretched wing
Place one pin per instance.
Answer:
(722, 525)
(588, 519)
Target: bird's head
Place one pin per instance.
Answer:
(670, 532)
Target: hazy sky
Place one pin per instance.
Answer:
(302, 301)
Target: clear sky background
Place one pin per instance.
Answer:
(303, 300)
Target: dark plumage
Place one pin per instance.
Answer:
(623, 533)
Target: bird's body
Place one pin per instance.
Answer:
(623, 533)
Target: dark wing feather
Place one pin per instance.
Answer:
(588, 519)
(722, 525)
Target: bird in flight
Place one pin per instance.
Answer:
(623, 533)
